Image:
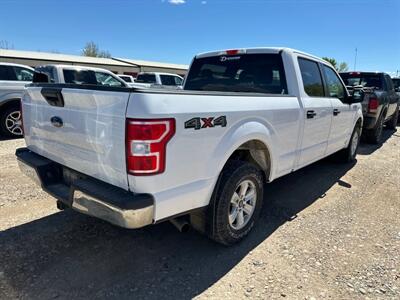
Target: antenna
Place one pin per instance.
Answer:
(355, 60)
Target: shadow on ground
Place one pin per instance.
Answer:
(71, 255)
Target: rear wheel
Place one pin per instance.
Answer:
(236, 203)
(11, 122)
(374, 136)
(393, 121)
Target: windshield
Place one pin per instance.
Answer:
(257, 73)
(363, 79)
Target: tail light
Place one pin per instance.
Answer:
(146, 143)
(233, 52)
(373, 105)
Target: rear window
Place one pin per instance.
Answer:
(146, 78)
(168, 80)
(126, 78)
(363, 79)
(256, 73)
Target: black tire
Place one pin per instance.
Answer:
(393, 121)
(235, 173)
(348, 154)
(4, 131)
(374, 136)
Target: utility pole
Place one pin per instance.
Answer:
(355, 60)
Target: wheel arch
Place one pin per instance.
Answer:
(9, 102)
(251, 141)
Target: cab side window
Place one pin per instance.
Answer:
(23, 74)
(107, 80)
(334, 85)
(389, 83)
(311, 76)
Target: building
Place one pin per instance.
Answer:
(116, 65)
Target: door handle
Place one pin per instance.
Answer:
(336, 112)
(311, 114)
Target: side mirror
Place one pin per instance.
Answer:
(356, 96)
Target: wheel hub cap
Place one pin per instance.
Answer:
(242, 204)
(14, 123)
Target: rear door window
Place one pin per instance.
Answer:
(312, 80)
(178, 80)
(256, 73)
(7, 73)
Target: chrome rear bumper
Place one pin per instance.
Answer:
(86, 194)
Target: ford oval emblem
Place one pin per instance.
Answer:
(56, 121)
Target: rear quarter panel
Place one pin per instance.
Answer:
(196, 157)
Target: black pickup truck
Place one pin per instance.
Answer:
(381, 102)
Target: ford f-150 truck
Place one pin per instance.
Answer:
(202, 154)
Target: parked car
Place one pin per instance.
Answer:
(127, 78)
(380, 105)
(156, 79)
(80, 75)
(13, 78)
(202, 154)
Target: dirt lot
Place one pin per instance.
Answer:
(343, 244)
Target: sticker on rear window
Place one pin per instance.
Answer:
(225, 58)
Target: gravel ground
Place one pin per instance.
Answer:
(329, 231)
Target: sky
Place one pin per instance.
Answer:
(175, 30)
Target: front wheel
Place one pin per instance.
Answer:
(349, 153)
(237, 202)
(11, 122)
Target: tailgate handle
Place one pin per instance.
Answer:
(53, 96)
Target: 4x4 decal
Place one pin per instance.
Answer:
(199, 123)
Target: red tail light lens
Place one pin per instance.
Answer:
(373, 105)
(146, 143)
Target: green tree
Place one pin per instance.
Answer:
(340, 67)
(92, 49)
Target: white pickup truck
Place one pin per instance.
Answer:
(202, 154)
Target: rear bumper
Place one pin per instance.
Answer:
(86, 194)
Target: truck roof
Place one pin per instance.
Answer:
(160, 73)
(75, 67)
(259, 50)
(364, 72)
(15, 65)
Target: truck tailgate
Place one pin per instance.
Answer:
(86, 133)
